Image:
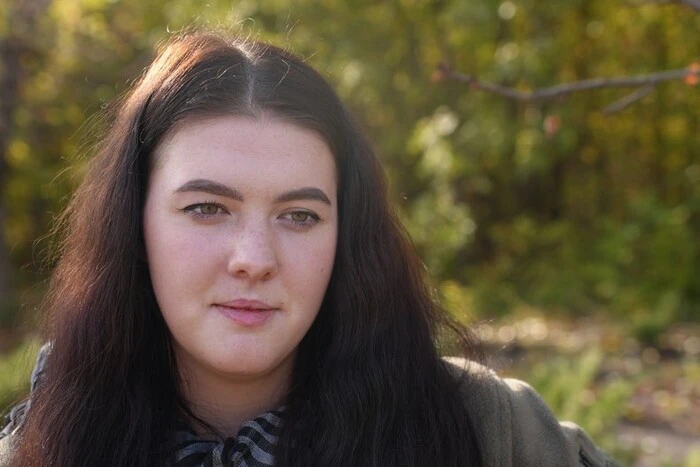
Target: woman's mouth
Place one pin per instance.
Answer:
(248, 313)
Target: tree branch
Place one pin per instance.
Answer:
(628, 100)
(444, 71)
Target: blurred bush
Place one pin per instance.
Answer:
(573, 391)
(16, 368)
(645, 270)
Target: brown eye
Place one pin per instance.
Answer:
(300, 216)
(204, 210)
(208, 209)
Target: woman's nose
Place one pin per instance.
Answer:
(253, 254)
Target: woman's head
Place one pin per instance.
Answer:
(197, 80)
(203, 78)
(204, 84)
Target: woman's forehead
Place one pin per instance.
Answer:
(249, 152)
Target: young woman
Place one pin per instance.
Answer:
(235, 289)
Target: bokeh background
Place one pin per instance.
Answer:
(566, 233)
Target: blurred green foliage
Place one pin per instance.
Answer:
(15, 368)
(572, 392)
(552, 205)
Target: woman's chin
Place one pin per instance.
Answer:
(246, 366)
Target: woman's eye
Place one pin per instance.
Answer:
(303, 218)
(204, 209)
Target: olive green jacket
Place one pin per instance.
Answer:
(514, 425)
(516, 428)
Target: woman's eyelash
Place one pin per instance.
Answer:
(205, 209)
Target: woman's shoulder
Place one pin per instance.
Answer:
(515, 425)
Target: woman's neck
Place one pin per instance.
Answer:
(226, 402)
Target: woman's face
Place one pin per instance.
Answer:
(240, 227)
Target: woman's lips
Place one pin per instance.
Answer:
(247, 313)
(246, 303)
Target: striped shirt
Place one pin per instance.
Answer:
(253, 446)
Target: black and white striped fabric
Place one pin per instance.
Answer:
(253, 446)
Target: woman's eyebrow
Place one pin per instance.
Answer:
(219, 189)
(306, 193)
(211, 187)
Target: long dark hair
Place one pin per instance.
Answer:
(369, 387)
